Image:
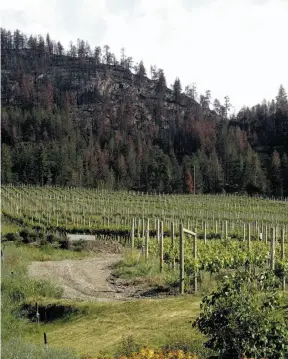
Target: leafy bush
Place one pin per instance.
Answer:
(79, 245)
(29, 235)
(14, 237)
(52, 238)
(244, 317)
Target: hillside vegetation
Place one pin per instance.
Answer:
(80, 117)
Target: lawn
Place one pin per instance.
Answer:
(103, 326)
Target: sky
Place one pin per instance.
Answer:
(230, 47)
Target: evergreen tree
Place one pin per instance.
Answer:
(276, 182)
(177, 89)
(141, 70)
(6, 164)
(285, 173)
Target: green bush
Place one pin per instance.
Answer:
(244, 316)
(79, 245)
(14, 237)
(29, 235)
(52, 238)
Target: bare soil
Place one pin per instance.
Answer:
(85, 279)
(91, 279)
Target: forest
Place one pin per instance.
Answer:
(82, 117)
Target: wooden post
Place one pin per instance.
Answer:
(138, 228)
(266, 234)
(181, 281)
(226, 233)
(205, 232)
(249, 236)
(244, 232)
(158, 230)
(195, 257)
(45, 340)
(272, 251)
(283, 255)
(172, 242)
(37, 315)
(143, 227)
(132, 233)
(147, 241)
(161, 247)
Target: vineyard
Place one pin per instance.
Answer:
(230, 232)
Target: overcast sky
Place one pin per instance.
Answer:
(232, 47)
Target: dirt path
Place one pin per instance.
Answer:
(85, 279)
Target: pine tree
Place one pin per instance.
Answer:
(276, 182)
(177, 89)
(141, 71)
(285, 173)
(281, 99)
(6, 164)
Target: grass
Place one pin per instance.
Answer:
(8, 227)
(16, 288)
(95, 326)
(18, 349)
(104, 326)
(18, 256)
(135, 269)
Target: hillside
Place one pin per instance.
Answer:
(82, 118)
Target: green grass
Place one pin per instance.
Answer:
(8, 227)
(18, 349)
(134, 268)
(16, 288)
(94, 327)
(104, 326)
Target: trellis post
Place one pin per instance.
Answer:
(181, 283)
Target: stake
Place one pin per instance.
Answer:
(181, 282)
(132, 233)
(147, 241)
(45, 340)
(249, 236)
(158, 230)
(161, 248)
(195, 257)
(283, 255)
(272, 252)
(172, 242)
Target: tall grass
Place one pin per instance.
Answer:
(18, 349)
(136, 269)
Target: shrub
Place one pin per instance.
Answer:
(28, 235)
(242, 317)
(79, 245)
(14, 237)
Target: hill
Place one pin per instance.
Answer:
(82, 118)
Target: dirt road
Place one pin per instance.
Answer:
(85, 279)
